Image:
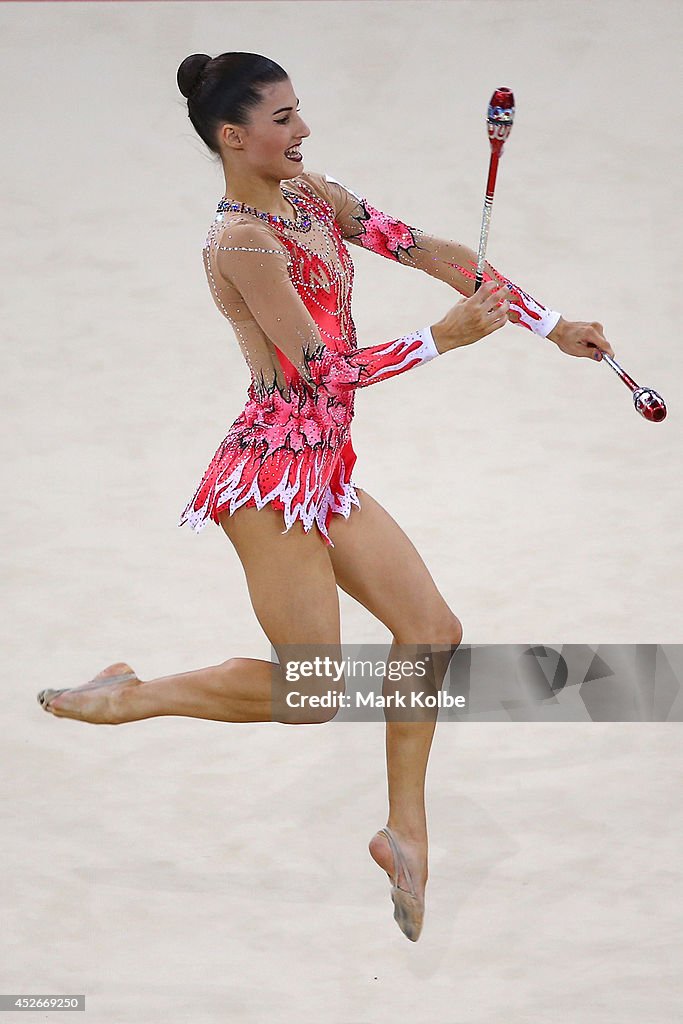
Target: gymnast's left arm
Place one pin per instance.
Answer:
(455, 264)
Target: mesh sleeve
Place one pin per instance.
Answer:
(363, 224)
(257, 265)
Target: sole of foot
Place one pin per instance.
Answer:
(95, 701)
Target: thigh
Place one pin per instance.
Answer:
(377, 564)
(291, 582)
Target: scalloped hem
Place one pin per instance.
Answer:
(228, 493)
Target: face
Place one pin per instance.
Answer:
(275, 127)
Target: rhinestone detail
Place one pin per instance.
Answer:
(301, 223)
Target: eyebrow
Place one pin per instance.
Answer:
(284, 108)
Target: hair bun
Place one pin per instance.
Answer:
(190, 72)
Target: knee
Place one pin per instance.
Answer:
(442, 628)
(321, 716)
(455, 630)
(311, 699)
(311, 715)
(316, 700)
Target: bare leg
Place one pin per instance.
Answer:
(294, 595)
(377, 564)
(407, 745)
(238, 690)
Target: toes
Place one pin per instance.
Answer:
(49, 700)
(120, 671)
(51, 705)
(46, 696)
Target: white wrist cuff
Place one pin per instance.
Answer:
(429, 349)
(545, 325)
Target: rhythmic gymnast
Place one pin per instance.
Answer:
(279, 270)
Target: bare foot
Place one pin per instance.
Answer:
(95, 701)
(415, 853)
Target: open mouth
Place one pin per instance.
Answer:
(294, 154)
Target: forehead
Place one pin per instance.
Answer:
(277, 94)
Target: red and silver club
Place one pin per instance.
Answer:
(499, 120)
(648, 403)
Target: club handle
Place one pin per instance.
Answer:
(486, 218)
(499, 119)
(620, 372)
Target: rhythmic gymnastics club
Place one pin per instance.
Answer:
(648, 402)
(499, 119)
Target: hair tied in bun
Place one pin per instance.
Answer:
(190, 72)
(227, 92)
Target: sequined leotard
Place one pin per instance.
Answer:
(285, 286)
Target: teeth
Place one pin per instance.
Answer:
(294, 151)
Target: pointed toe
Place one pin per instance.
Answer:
(408, 906)
(46, 696)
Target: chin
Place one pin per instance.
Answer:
(296, 172)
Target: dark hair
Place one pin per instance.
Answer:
(224, 89)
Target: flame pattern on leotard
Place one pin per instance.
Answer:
(286, 289)
(389, 237)
(288, 296)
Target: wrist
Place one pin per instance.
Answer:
(557, 331)
(437, 336)
(430, 349)
(440, 339)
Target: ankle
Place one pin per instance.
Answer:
(122, 704)
(409, 832)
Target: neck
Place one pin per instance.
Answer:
(261, 193)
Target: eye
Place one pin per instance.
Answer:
(284, 120)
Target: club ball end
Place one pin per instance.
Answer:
(503, 98)
(649, 404)
(500, 117)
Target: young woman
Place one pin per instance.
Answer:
(279, 270)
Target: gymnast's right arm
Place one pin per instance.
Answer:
(253, 260)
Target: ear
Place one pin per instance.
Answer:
(233, 136)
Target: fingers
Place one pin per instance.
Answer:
(488, 295)
(496, 295)
(592, 350)
(489, 307)
(596, 344)
(483, 295)
(498, 308)
(595, 337)
(589, 350)
(586, 340)
(497, 320)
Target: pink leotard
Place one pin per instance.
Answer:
(285, 286)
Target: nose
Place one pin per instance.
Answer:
(305, 130)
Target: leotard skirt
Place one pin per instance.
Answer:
(294, 453)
